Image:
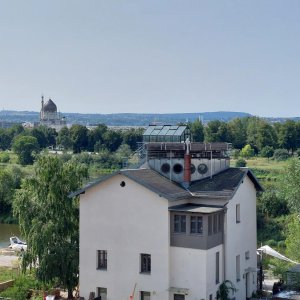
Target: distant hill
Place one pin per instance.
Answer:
(124, 119)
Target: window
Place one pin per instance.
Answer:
(102, 259)
(238, 268)
(179, 297)
(179, 223)
(210, 297)
(238, 213)
(102, 292)
(145, 263)
(217, 267)
(145, 295)
(210, 225)
(196, 225)
(247, 255)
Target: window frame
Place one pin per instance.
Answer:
(217, 267)
(238, 268)
(145, 263)
(198, 225)
(143, 294)
(101, 259)
(103, 290)
(181, 223)
(238, 213)
(247, 255)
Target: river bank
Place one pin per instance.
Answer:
(7, 231)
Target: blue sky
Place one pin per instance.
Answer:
(155, 56)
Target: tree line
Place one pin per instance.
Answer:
(262, 136)
(253, 131)
(25, 142)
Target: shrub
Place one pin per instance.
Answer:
(271, 243)
(247, 151)
(4, 157)
(267, 151)
(240, 163)
(281, 154)
(21, 288)
(298, 152)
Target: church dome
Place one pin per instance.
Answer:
(50, 106)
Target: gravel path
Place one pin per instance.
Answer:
(8, 260)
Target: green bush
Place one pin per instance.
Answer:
(240, 163)
(4, 157)
(21, 288)
(271, 243)
(247, 151)
(281, 154)
(267, 151)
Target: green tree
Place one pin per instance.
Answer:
(217, 131)
(197, 131)
(79, 137)
(290, 185)
(39, 134)
(266, 136)
(281, 154)
(49, 219)
(293, 238)
(253, 124)
(267, 151)
(271, 204)
(64, 139)
(288, 136)
(132, 137)
(237, 129)
(247, 151)
(112, 139)
(5, 139)
(6, 190)
(24, 147)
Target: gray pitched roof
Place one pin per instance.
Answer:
(222, 185)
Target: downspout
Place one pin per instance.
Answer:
(224, 242)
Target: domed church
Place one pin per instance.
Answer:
(49, 115)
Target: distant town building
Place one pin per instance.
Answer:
(50, 117)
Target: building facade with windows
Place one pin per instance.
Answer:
(144, 232)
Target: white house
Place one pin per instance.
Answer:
(163, 233)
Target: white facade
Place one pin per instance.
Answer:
(240, 237)
(130, 220)
(125, 221)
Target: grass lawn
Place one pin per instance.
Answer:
(263, 163)
(7, 273)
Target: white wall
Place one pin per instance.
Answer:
(194, 269)
(241, 237)
(126, 222)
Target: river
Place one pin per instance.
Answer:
(6, 231)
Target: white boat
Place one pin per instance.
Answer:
(17, 244)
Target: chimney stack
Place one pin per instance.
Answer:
(187, 165)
